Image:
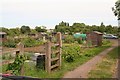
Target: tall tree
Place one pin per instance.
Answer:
(25, 29)
(62, 27)
(102, 27)
(78, 27)
(116, 9)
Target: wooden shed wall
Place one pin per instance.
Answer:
(95, 38)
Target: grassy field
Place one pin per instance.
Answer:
(106, 68)
(84, 56)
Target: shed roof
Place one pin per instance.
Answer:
(3, 33)
(95, 32)
(98, 32)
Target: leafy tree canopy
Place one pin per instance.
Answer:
(116, 9)
(25, 29)
(40, 29)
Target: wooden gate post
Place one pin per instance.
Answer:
(20, 46)
(60, 46)
(48, 57)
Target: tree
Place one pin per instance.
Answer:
(25, 29)
(2, 29)
(102, 27)
(116, 9)
(94, 28)
(109, 29)
(14, 32)
(40, 29)
(62, 27)
(78, 27)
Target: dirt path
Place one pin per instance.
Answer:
(83, 70)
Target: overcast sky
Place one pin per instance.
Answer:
(15, 13)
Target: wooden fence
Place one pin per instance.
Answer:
(47, 50)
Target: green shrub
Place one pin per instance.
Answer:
(30, 42)
(88, 55)
(3, 57)
(105, 42)
(10, 56)
(7, 56)
(69, 39)
(71, 52)
(28, 55)
(69, 58)
(79, 41)
(0, 43)
(10, 43)
(16, 66)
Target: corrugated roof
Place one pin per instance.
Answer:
(3, 33)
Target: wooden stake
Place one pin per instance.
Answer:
(48, 57)
(60, 46)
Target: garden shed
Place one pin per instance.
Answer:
(3, 36)
(95, 38)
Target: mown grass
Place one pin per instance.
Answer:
(106, 68)
(86, 54)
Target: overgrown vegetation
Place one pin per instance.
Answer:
(106, 68)
(69, 39)
(30, 42)
(9, 43)
(72, 57)
(7, 56)
(67, 64)
(71, 52)
(105, 42)
(16, 66)
(1, 44)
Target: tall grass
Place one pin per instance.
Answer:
(106, 68)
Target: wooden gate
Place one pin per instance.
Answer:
(57, 59)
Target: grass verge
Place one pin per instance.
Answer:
(106, 68)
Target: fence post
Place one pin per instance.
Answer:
(20, 46)
(60, 46)
(48, 57)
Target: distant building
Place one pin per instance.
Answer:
(3, 36)
(33, 35)
(50, 30)
(95, 38)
